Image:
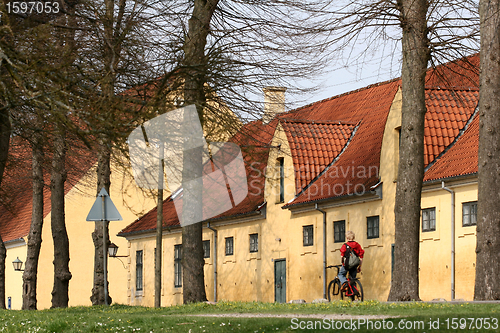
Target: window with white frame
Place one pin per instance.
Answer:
(308, 235)
(372, 227)
(469, 214)
(206, 249)
(280, 163)
(229, 246)
(138, 270)
(254, 242)
(178, 266)
(339, 231)
(429, 219)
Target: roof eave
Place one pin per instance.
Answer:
(342, 200)
(255, 213)
(463, 177)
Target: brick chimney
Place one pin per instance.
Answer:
(274, 102)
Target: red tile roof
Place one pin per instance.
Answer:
(461, 158)
(16, 187)
(335, 143)
(314, 145)
(357, 167)
(459, 74)
(451, 97)
(253, 139)
(447, 113)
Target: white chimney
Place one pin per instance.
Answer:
(274, 102)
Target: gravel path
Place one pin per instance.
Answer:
(335, 316)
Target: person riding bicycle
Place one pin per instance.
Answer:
(349, 235)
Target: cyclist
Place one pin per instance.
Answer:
(349, 235)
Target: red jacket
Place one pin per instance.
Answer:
(356, 248)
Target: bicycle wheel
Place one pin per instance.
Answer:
(334, 290)
(358, 291)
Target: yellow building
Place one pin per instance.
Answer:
(313, 173)
(330, 167)
(80, 194)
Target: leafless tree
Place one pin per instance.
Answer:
(487, 285)
(428, 32)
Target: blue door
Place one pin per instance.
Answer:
(280, 281)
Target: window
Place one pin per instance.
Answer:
(229, 246)
(138, 270)
(339, 231)
(429, 219)
(372, 227)
(308, 235)
(254, 242)
(177, 266)
(399, 139)
(281, 167)
(206, 249)
(469, 213)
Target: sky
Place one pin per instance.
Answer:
(341, 79)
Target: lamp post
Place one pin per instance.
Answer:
(18, 265)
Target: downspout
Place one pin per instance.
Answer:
(215, 260)
(452, 239)
(324, 250)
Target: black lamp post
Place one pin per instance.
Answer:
(18, 265)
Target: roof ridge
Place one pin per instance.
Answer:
(345, 94)
(453, 88)
(308, 121)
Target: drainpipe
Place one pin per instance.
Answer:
(324, 249)
(452, 239)
(215, 260)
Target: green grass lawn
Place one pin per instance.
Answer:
(405, 317)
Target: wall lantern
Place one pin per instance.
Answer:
(18, 265)
(112, 250)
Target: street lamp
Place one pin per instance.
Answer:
(112, 250)
(18, 265)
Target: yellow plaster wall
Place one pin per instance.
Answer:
(241, 276)
(247, 277)
(130, 202)
(13, 279)
(435, 246)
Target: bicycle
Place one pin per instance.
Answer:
(354, 290)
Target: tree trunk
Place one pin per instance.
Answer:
(5, 130)
(103, 181)
(158, 253)
(3, 255)
(111, 55)
(35, 235)
(193, 279)
(159, 227)
(405, 280)
(62, 275)
(487, 285)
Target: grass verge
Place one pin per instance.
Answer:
(406, 317)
